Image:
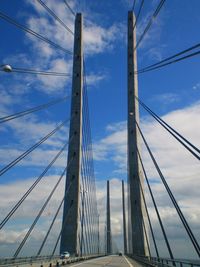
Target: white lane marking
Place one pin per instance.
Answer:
(128, 261)
(100, 258)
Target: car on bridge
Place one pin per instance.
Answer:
(64, 255)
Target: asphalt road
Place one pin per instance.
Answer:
(109, 261)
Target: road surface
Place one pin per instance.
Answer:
(109, 261)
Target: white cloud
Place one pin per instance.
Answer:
(98, 39)
(167, 98)
(94, 79)
(196, 86)
(150, 49)
(14, 231)
(11, 237)
(27, 131)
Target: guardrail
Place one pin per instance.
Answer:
(43, 260)
(165, 262)
(24, 260)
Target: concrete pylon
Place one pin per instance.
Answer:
(124, 219)
(71, 216)
(108, 225)
(136, 244)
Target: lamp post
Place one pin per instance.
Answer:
(98, 233)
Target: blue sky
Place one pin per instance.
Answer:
(173, 92)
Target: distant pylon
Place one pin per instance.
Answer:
(108, 226)
(136, 242)
(124, 219)
(71, 212)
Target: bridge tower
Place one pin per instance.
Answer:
(124, 219)
(137, 244)
(108, 226)
(71, 215)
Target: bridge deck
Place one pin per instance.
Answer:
(109, 261)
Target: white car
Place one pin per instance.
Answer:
(65, 255)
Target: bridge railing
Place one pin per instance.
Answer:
(43, 259)
(165, 262)
(23, 260)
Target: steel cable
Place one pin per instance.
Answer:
(28, 151)
(133, 7)
(37, 72)
(171, 62)
(181, 216)
(148, 217)
(27, 193)
(156, 209)
(91, 167)
(31, 110)
(171, 130)
(137, 17)
(38, 216)
(50, 227)
(169, 58)
(28, 30)
(153, 17)
(60, 233)
(70, 9)
(55, 16)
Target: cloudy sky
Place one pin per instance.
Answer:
(172, 92)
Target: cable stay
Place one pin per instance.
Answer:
(156, 208)
(169, 63)
(56, 214)
(138, 14)
(55, 16)
(28, 30)
(147, 212)
(133, 7)
(70, 9)
(153, 17)
(146, 236)
(90, 166)
(86, 221)
(28, 151)
(27, 193)
(181, 216)
(50, 227)
(88, 163)
(86, 183)
(32, 110)
(60, 233)
(38, 216)
(82, 222)
(9, 69)
(86, 205)
(172, 131)
(150, 67)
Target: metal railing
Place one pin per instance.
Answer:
(165, 262)
(43, 259)
(24, 260)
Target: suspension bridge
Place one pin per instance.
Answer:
(79, 229)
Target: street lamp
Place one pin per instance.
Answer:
(6, 68)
